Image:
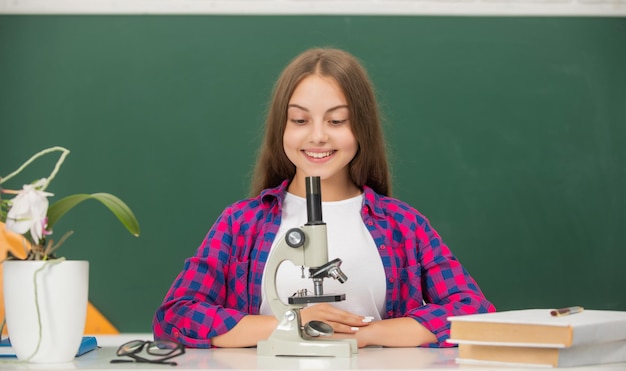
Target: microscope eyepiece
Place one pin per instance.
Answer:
(313, 200)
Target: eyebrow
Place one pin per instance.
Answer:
(307, 110)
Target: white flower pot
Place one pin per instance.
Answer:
(62, 292)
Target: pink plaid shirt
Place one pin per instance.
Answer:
(221, 283)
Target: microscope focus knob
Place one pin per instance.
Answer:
(294, 237)
(290, 315)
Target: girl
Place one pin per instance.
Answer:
(403, 280)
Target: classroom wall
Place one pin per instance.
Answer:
(506, 132)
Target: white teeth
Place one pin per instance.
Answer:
(318, 154)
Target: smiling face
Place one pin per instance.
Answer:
(318, 138)
(314, 82)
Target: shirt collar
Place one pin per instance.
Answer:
(372, 201)
(277, 193)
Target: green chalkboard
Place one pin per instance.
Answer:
(507, 133)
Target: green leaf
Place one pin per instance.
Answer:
(117, 207)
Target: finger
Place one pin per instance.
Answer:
(329, 313)
(356, 325)
(353, 320)
(321, 312)
(340, 328)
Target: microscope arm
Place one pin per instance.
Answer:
(281, 252)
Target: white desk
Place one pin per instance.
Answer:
(247, 359)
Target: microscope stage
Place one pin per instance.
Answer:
(316, 298)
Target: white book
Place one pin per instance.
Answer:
(538, 328)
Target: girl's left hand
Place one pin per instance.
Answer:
(340, 320)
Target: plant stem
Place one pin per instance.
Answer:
(64, 154)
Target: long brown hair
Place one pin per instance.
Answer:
(369, 166)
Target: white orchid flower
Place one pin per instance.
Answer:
(28, 211)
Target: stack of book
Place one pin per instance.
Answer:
(535, 337)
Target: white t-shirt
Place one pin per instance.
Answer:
(348, 240)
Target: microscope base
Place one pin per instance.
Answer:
(288, 339)
(313, 347)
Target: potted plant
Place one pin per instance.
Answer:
(45, 295)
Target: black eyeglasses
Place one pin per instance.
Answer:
(164, 349)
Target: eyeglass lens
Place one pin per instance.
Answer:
(162, 348)
(131, 347)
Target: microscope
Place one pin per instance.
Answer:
(306, 246)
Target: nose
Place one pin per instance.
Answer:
(318, 133)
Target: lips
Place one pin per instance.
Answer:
(318, 155)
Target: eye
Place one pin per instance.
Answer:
(298, 121)
(337, 122)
